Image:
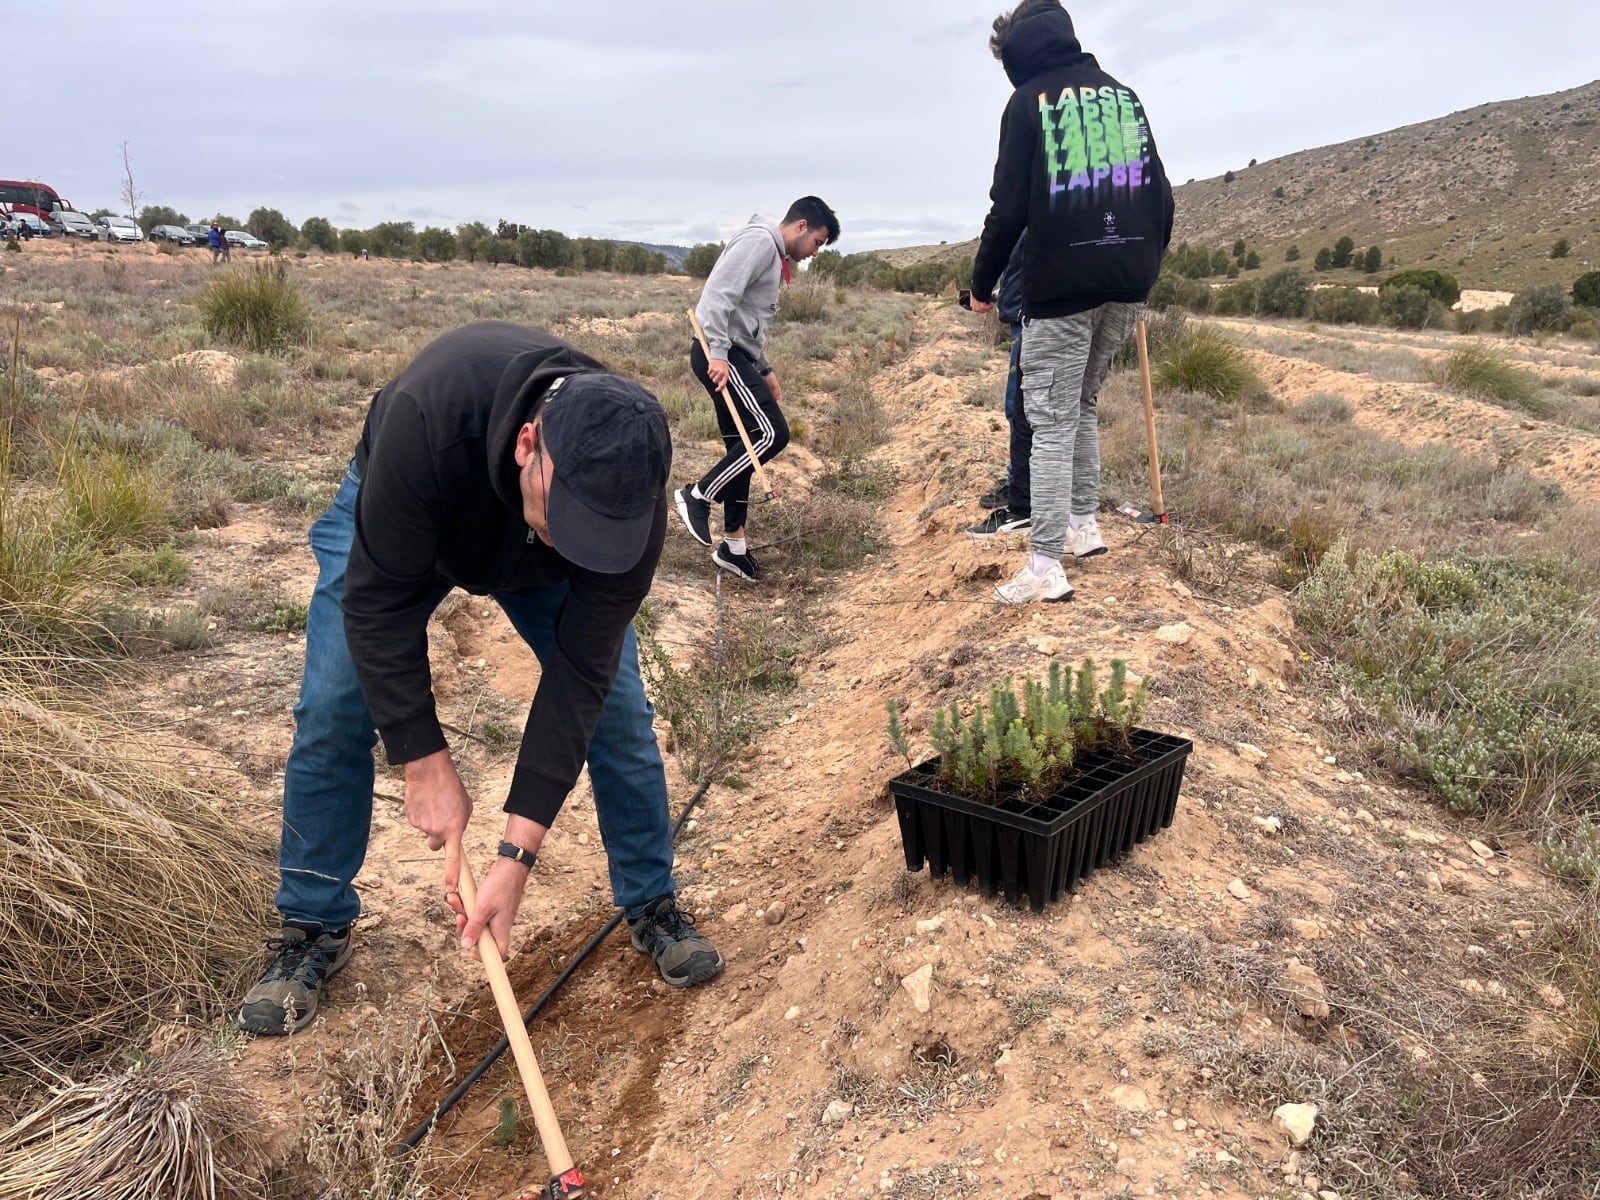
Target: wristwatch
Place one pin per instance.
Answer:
(518, 854)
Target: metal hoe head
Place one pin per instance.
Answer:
(1143, 516)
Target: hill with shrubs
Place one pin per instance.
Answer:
(1504, 196)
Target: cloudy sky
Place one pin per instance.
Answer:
(672, 122)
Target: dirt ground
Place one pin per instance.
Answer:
(1049, 1061)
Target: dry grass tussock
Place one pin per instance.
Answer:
(129, 897)
(174, 1126)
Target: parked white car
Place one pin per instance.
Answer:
(118, 229)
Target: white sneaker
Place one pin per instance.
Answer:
(1085, 542)
(1027, 586)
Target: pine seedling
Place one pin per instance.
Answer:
(505, 1129)
(898, 741)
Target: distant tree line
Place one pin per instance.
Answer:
(508, 242)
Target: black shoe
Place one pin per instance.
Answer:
(997, 497)
(1002, 520)
(681, 952)
(742, 565)
(285, 1000)
(696, 514)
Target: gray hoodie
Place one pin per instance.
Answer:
(741, 293)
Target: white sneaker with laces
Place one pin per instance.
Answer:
(1027, 587)
(1085, 542)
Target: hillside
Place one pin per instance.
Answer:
(1483, 193)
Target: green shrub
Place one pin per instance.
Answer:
(1372, 261)
(1175, 291)
(112, 501)
(1292, 254)
(1344, 250)
(1411, 307)
(1323, 260)
(1539, 309)
(1344, 306)
(1480, 675)
(805, 300)
(700, 259)
(1574, 854)
(1586, 290)
(1323, 408)
(1284, 293)
(1235, 299)
(437, 245)
(1252, 261)
(1205, 362)
(1441, 285)
(260, 308)
(1476, 370)
(1561, 248)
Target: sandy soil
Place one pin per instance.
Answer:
(725, 1091)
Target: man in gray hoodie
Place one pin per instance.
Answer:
(739, 301)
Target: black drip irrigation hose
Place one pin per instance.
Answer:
(500, 1047)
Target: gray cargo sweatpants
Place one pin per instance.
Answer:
(1065, 360)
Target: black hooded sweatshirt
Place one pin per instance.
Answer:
(440, 507)
(1079, 171)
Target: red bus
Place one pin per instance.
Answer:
(23, 196)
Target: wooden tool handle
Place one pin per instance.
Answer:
(544, 1116)
(738, 423)
(1149, 417)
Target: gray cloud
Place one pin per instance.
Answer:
(674, 122)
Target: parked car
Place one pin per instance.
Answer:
(118, 229)
(71, 223)
(244, 240)
(26, 225)
(200, 233)
(176, 234)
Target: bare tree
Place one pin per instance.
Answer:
(131, 196)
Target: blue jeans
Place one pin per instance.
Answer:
(327, 786)
(1021, 434)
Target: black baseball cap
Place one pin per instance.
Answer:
(611, 455)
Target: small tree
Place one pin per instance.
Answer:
(352, 241)
(1538, 309)
(1343, 251)
(271, 226)
(132, 197)
(160, 214)
(1252, 261)
(1441, 285)
(1228, 177)
(1278, 192)
(318, 232)
(1372, 261)
(437, 245)
(1292, 254)
(1324, 259)
(1284, 293)
(1238, 248)
(699, 261)
(1560, 249)
(1219, 261)
(1586, 290)
(471, 238)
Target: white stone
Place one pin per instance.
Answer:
(931, 925)
(1481, 850)
(1304, 986)
(793, 1013)
(1175, 635)
(1296, 1120)
(1552, 997)
(1239, 891)
(1131, 1098)
(838, 1112)
(1271, 826)
(1249, 753)
(920, 986)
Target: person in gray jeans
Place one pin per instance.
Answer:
(1078, 171)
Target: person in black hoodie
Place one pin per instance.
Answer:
(504, 462)
(1078, 170)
